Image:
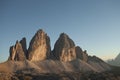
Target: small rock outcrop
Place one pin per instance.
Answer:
(39, 47)
(81, 54)
(17, 52)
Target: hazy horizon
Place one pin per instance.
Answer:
(92, 24)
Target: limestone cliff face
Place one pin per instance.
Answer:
(39, 48)
(17, 52)
(64, 49)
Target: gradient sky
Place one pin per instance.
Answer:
(94, 25)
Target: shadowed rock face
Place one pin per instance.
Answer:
(65, 50)
(17, 52)
(12, 53)
(24, 45)
(39, 48)
(81, 54)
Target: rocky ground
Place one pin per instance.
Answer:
(113, 74)
(62, 76)
(31, 73)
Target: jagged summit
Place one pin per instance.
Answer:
(65, 49)
(17, 52)
(39, 48)
(24, 46)
(66, 40)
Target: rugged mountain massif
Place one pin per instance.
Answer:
(40, 49)
(66, 58)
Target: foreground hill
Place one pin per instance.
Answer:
(113, 74)
(53, 66)
(57, 70)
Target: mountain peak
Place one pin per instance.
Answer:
(39, 48)
(17, 52)
(63, 35)
(117, 59)
(40, 31)
(65, 49)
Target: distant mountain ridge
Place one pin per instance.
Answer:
(115, 61)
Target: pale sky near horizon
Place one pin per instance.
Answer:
(94, 25)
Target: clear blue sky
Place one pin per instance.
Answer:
(94, 25)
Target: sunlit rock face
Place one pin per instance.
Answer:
(17, 52)
(39, 48)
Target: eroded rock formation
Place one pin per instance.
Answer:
(39, 48)
(65, 50)
(17, 52)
